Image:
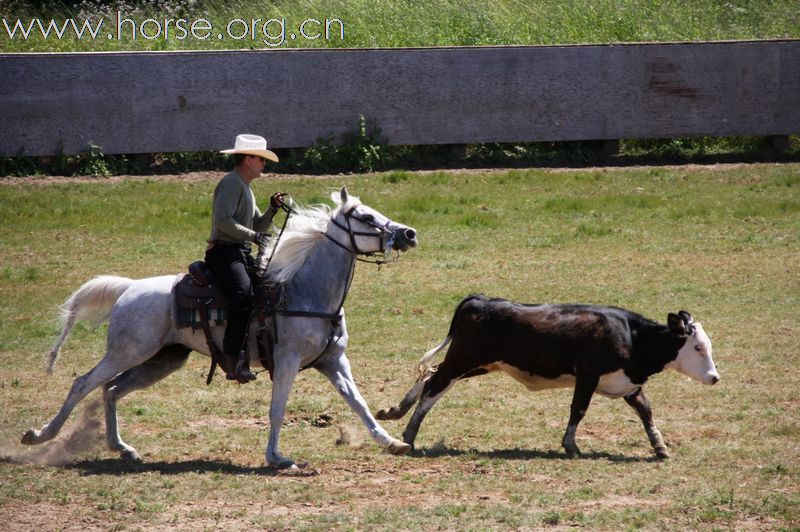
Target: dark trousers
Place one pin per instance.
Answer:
(230, 265)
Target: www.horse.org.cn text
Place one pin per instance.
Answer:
(271, 32)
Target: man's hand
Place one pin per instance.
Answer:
(262, 240)
(276, 200)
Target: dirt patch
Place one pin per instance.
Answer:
(223, 423)
(619, 502)
(216, 175)
(44, 517)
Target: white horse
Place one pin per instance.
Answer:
(314, 257)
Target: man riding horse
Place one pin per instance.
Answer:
(236, 222)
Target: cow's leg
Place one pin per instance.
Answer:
(449, 371)
(337, 369)
(411, 397)
(166, 361)
(585, 386)
(642, 406)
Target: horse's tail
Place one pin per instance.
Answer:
(93, 301)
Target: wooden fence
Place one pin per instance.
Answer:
(145, 102)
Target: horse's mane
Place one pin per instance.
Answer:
(305, 228)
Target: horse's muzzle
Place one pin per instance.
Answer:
(404, 238)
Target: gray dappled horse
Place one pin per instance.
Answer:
(314, 257)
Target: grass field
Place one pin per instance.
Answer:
(720, 241)
(370, 24)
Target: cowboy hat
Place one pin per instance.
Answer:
(252, 145)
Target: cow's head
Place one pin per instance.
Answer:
(694, 357)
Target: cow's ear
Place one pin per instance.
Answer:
(676, 324)
(688, 321)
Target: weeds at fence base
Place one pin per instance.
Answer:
(365, 150)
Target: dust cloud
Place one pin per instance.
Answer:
(350, 436)
(83, 436)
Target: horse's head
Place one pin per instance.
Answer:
(365, 231)
(694, 357)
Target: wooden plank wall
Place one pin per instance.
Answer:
(143, 102)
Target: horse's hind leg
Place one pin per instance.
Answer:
(103, 372)
(168, 360)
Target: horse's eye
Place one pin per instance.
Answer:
(698, 347)
(368, 218)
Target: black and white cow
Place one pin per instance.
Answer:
(608, 350)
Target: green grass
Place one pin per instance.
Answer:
(369, 24)
(722, 242)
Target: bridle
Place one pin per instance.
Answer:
(386, 238)
(384, 235)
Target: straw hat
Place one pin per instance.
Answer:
(252, 145)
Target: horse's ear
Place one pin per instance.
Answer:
(341, 197)
(676, 324)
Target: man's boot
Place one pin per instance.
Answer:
(242, 373)
(228, 365)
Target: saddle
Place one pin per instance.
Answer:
(197, 291)
(199, 301)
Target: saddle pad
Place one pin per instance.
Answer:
(188, 317)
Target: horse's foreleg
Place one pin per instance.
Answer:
(83, 385)
(166, 361)
(338, 372)
(286, 368)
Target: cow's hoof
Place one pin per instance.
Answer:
(397, 447)
(572, 452)
(662, 453)
(130, 455)
(387, 413)
(30, 437)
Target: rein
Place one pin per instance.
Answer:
(289, 211)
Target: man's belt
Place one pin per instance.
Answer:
(227, 244)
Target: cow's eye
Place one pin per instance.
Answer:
(698, 347)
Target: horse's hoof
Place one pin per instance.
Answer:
(397, 448)
(30, 437)
(283, 463)
(662, 453)
(130, 456)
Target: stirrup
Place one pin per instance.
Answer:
(241, 373)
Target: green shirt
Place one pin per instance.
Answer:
(235, 216)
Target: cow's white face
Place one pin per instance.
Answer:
(694, 358)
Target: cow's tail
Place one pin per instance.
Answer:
(425, 370)
(93, 301)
